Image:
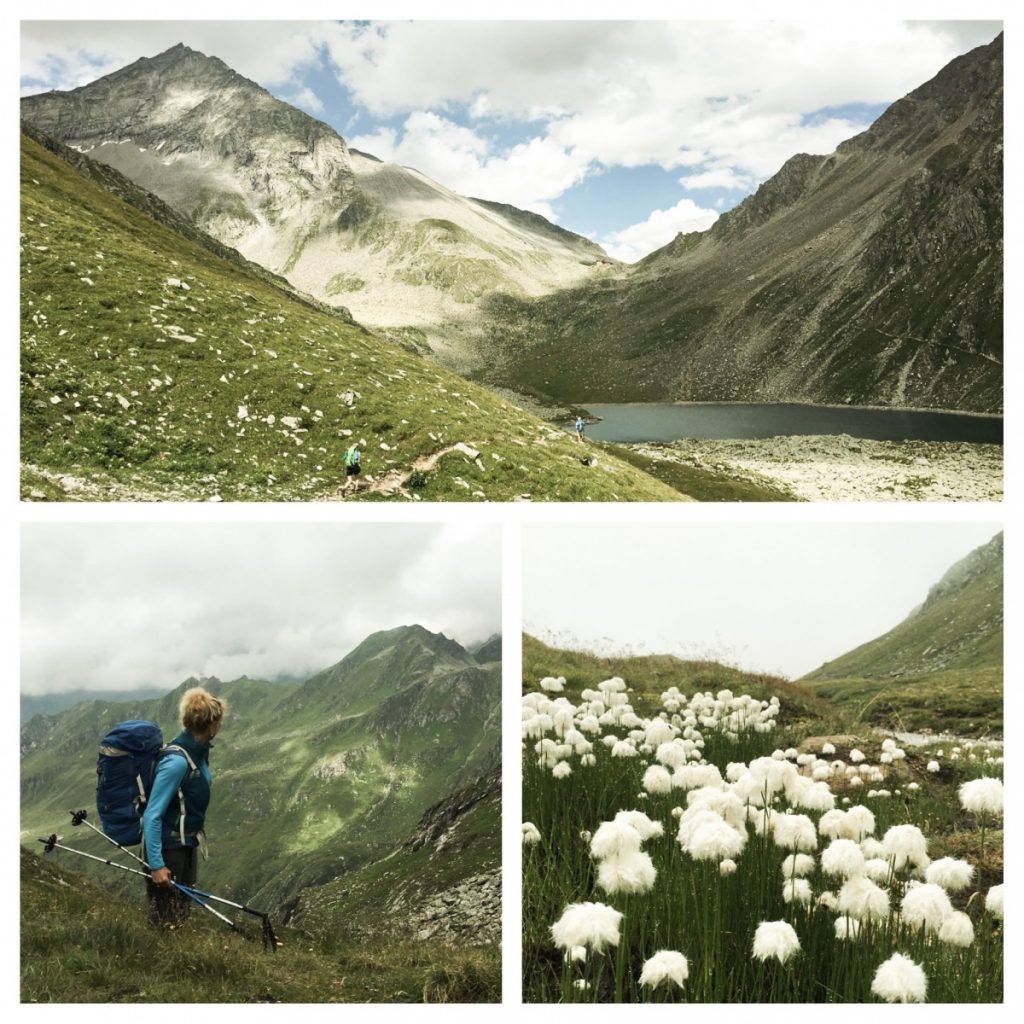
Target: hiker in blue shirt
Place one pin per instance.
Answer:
(176, 812)
(579, 429)
(353, 467)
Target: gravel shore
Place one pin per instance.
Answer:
(844, 468)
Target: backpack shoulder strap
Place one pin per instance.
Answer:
(173, 748)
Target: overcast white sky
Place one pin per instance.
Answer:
(118, 606)
(626, 131)
(777, 598)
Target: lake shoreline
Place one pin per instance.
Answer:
(801, 405)
(838, 467)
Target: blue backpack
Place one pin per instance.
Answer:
(124, 777)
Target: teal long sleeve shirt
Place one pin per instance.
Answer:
(170, 772)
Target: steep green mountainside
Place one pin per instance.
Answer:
(407, 255)
(313, 782)
(942, 666)
(872, 276)
(442, 883)
(959, 625)
(80, 944)
(153, 369)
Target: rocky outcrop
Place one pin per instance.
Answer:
(469, 912)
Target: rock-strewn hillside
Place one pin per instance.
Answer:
(871, 276)
(156, 367)
(408, 256)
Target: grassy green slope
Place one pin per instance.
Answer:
(942, 667)
(78, 944)
(133, 388)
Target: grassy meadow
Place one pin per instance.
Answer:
(701, 815)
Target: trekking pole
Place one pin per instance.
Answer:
(206, 906)
(269, 938)
(80, 818)
(51, 844)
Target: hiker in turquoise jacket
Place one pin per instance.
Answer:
(176, 812)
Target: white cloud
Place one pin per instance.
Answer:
(723, 177)
(634, 93)
(528, 175)
(638, 240)
(727, 101)
(308, 100)
(118, 606)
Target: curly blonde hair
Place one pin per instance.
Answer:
(200, 709)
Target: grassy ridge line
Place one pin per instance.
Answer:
(79, 944)
(649, 675)
(135, 388)
(960, 626)
(965, 702)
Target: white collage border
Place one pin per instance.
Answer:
(513, 518)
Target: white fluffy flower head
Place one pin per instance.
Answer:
(900, 980)
(666, 966)
(952, 874)
(594, 925)
(926, 906)
(775, 939)
(982, 796)
(531, 834)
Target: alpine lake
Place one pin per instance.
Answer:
(653, 422)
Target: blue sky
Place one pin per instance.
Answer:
(627, 132)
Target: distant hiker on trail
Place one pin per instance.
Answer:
(579, 429)
(172, 826)
(352, 467)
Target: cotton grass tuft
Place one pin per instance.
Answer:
(775, 939)
(952, 874)
(900, 980)
(530, 833)
(594, 925)
(994, 901)
(666, 966)
(982, 796)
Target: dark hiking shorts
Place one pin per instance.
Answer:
(169, 906)
(352, 470)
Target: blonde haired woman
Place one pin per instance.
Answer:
(176, 812)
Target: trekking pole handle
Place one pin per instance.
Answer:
(79, 818)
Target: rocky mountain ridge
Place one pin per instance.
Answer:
(872, 276)
(409, 257)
